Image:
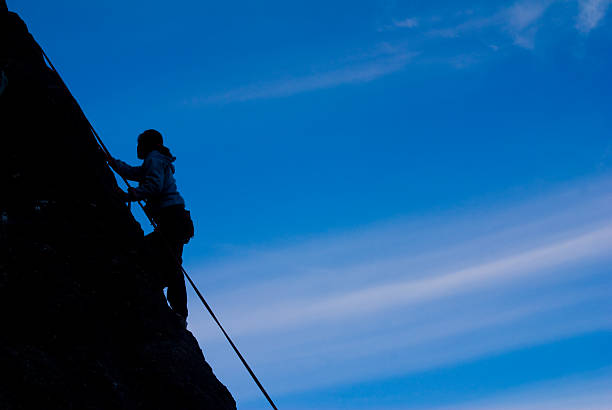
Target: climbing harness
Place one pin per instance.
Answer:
(152, 221)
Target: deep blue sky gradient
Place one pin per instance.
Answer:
(385, 147)
(294, 121)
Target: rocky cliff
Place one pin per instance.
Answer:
(83, 321)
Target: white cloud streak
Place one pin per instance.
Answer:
(357, 72)
(408, 297)
(591, 12)
(393, 295)
(520, 21)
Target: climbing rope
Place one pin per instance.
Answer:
(152, 221)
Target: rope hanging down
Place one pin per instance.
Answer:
(193, 285)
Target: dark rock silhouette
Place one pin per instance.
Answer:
(83, 321)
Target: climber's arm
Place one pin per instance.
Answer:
(127, 171)
(151, 182)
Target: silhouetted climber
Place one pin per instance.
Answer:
(157, 186)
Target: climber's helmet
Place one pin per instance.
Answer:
(147, 142)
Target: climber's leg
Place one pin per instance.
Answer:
(156, 257)
(177, 294)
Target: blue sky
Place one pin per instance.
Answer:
(399, 205)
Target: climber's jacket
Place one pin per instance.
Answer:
(156, 183)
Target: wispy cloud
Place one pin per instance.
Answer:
(524, 14)
(533, 263)
(445, 289)
(522, 20)
(360, 71)
(591, 13)
(407, 23)
(519, 21)
(565, 394)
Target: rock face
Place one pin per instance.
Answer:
(83, 321)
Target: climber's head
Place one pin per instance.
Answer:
(148, 141)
